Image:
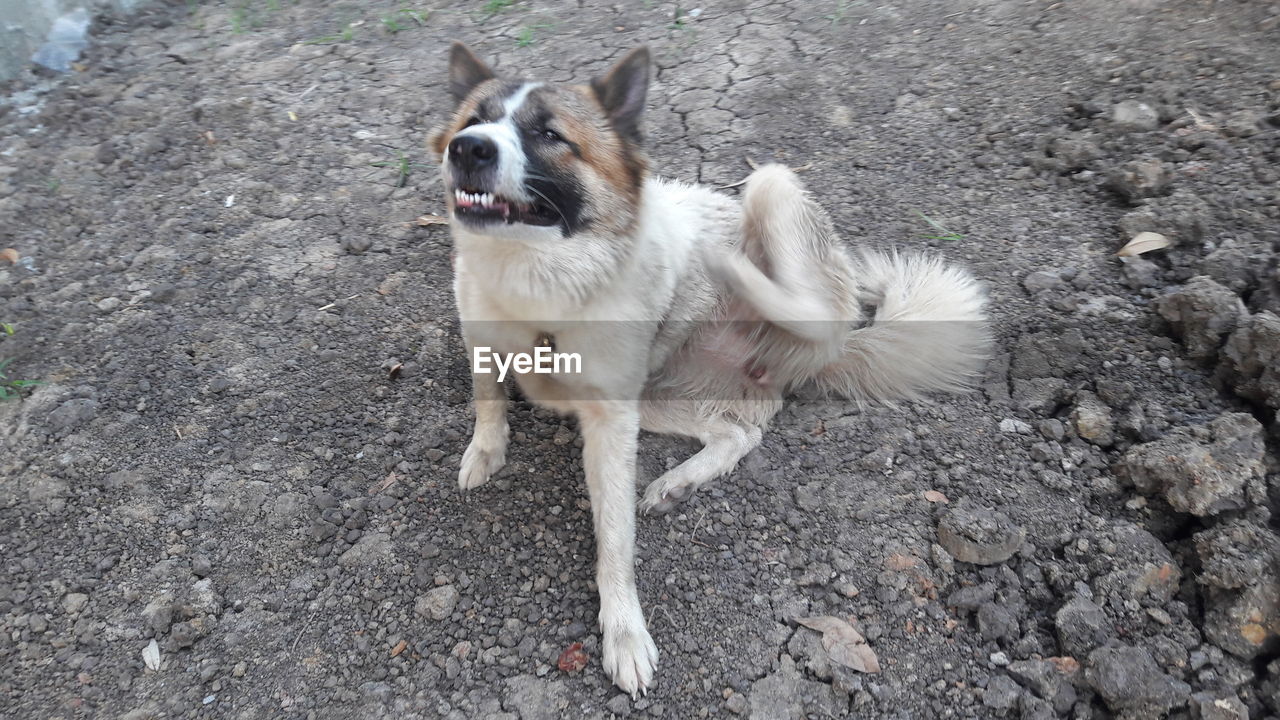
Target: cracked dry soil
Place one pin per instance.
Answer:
(223, 268)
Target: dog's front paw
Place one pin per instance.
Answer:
(665, 493)
(630, 659)
(479, 463)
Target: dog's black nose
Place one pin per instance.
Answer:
(472, 152)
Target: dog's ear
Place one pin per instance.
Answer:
(621, 92)
(466, 71)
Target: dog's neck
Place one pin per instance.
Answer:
(565, 272)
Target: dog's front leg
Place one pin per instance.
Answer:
(487, 452)
(610, 429)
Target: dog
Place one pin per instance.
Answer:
(693, 313)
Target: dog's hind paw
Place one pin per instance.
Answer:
(630, 659)
(479, 464)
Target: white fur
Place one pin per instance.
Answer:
(504, 133)
(664, 319)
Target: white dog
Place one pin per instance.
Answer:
(691, 313)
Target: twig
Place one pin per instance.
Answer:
(303, 631)
(335, 304)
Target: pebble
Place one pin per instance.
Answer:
(1134, 115)
(438, 603)
(73, 603)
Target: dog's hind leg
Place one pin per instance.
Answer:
(724, 443)
(784, 269)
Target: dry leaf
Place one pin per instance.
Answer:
(151, 655)
(431, 220)
(572, 659)
(11, 255)
(399, 648)
(386, 483)
(934, 496)
(844, 644)
(393, 372)
(1144, 242)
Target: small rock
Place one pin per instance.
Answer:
(1014, 425)
(620, 705)
(1195, 476)
(1242, 123)
(1251, 359)
(1042, 280)
(1244, 622)
(1134, 115)
(995, 623)
(978, 535)
(1052, 429)
(737, 704)
(73, 603)
(369, 550)
(1140, 273)
(1046, 680)
(1207, 706)
(201, 566)
(785, 695)
(972, 597)
(1076, 153)
(1202, 314)
(438, 604)
(1081, 626)
(535, 699)
(72, 413)
(1139, 179)
(1040, 396)
(108, 304)
(1132, 684)
(1092, 419)
(1001, 694)
(1235, 554)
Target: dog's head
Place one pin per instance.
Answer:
(531, 160)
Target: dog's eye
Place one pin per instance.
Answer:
(475, 120)
(551, 135)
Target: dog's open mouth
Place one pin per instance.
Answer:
(484, 207)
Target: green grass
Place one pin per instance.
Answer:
(11, 388)
(401, 166)
(397, 21)
(347, 34)
(943, 232)
(525, 37)
(680, 24)
(493, 7)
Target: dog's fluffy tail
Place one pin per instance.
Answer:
(928, 332)
(928, 329)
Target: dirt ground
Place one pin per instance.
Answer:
(220, 503)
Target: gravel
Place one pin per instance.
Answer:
(218, 262)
